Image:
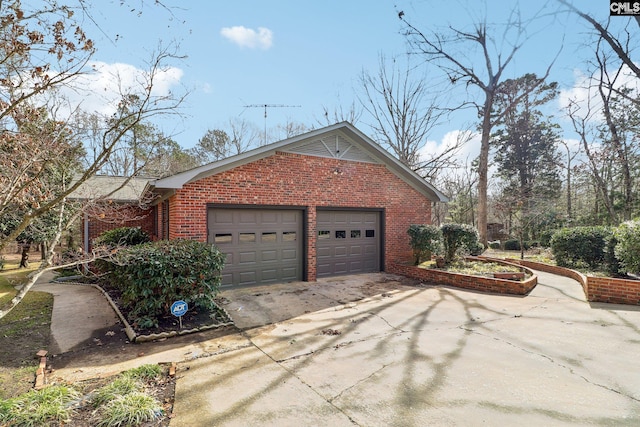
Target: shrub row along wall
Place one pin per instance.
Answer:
(596, 289)
(476, 283)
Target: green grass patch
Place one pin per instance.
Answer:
(39, 408)
(129, 410)
(145, 372)
(27, 328)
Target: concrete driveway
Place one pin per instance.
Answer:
(426, 356)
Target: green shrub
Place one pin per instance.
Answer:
(582, 246)
(459, 239)
(494, 245)
(424, 240)
(545, 238)
(123, 236)
(612, 263)
(476, 248)
(628, 248)
(512, 245)
(152, 276)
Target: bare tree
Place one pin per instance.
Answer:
(340, 114)
(571, 156)
(450, 51)
(403, 112)
(621, 46)
(42, 50)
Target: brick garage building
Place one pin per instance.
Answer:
(328, 202)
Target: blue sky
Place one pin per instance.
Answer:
(306, 53)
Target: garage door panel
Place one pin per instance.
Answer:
(269, 255)
(289, 218)
(269, 275)
(289, 273)
(269, 217)
(248, 217)
(347, 242)
(340, 268)
(340, 251)
(247, 257)
(222, 217)
(247, 277)
(289, 254)
(261, 245)
(323, 252)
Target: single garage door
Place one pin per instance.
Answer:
(348, 242)
(262, 245)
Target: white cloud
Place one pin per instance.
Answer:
(100, 89)
(583, 96)
(467, 152)
(248, 37)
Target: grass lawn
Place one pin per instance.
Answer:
(24, 331)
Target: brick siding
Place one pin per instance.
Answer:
(286, 179)
(120, 216)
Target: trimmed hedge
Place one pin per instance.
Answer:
(628, 248)
(152, 276)
(424, 239)
(460, 239)
(585, 246)
(512, 245)
(122, 236)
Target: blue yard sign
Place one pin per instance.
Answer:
(179, 308)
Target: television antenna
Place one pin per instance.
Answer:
(265, 106)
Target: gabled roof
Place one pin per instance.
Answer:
(342, 141)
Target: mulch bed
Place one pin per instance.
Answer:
(193, 320)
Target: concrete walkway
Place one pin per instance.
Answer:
(78, 312)
(430, 356)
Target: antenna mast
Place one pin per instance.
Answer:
(265, 106)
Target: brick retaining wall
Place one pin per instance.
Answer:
(476, 283)
(596, 289)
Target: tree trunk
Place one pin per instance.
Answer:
(24, 260)
(483, 168)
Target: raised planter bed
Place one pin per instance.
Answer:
(466, 281)
(509, 275)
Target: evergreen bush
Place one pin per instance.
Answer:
(122, 236)
(459, 239)
(424, 240)
(152, 276)
(581, 246)
(627, 249)
(512, 245)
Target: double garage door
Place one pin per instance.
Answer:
(266, 246)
